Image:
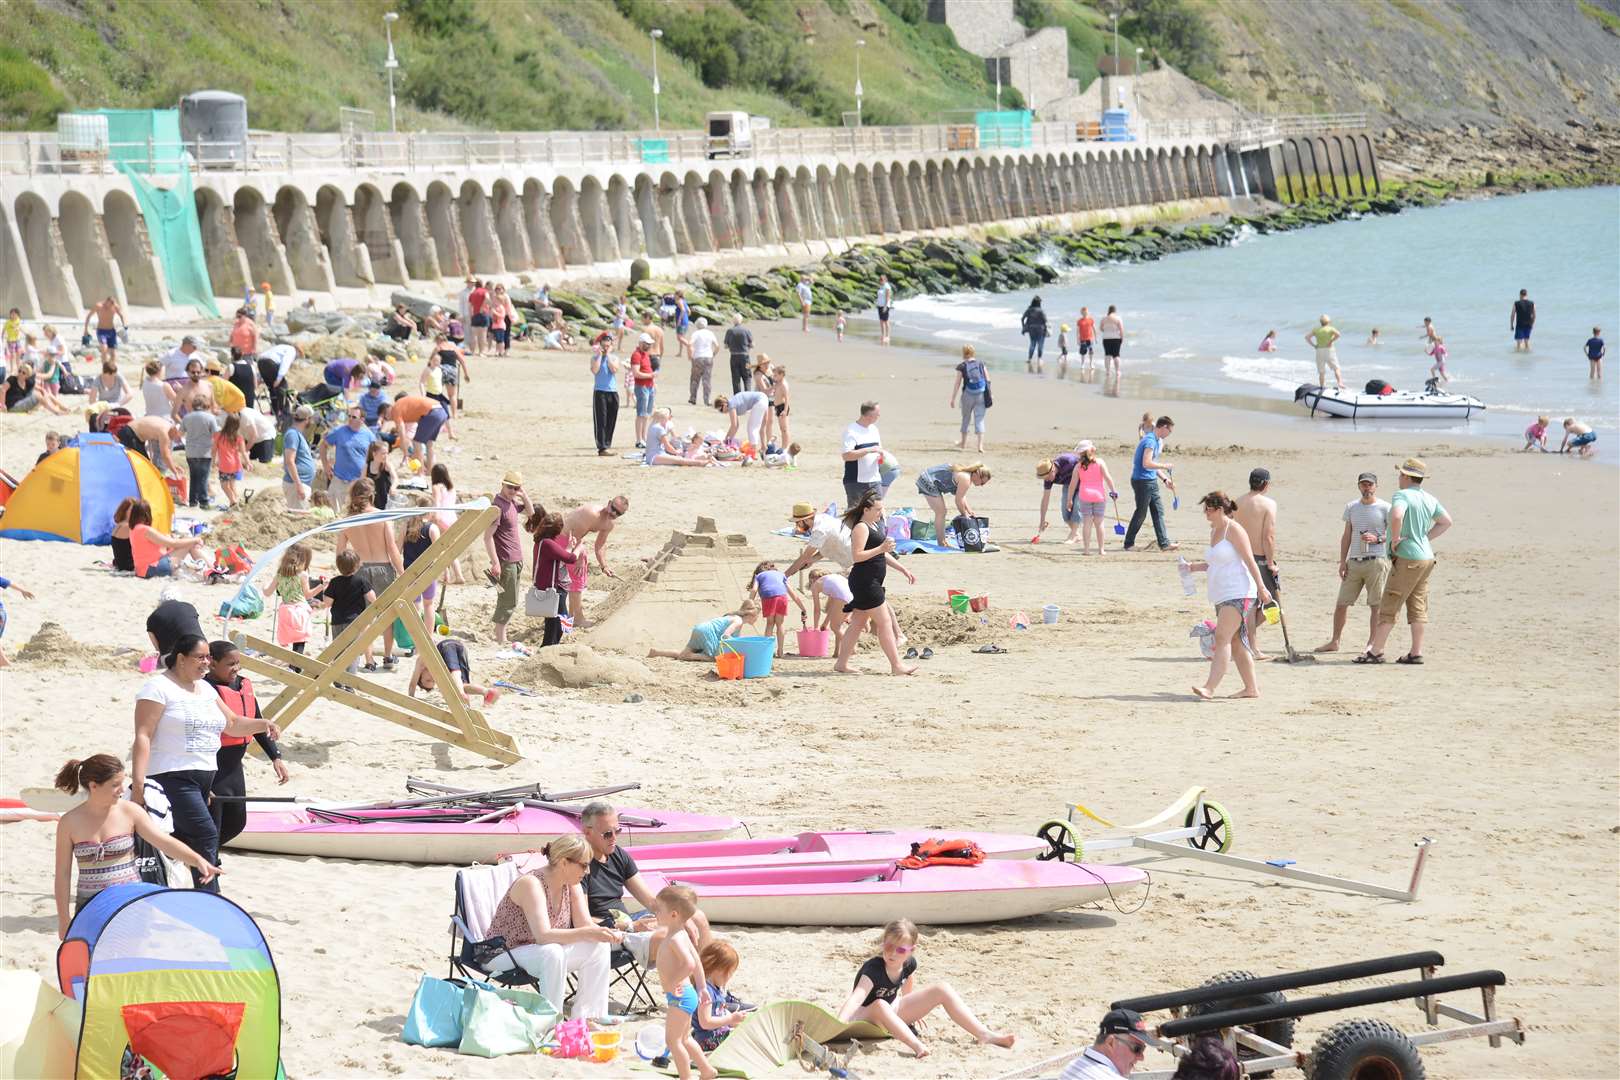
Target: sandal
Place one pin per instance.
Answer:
(990, 650)
(1410, 659)
(928, 652)
(911, 653)
(1369, 658)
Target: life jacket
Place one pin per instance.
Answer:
(241, 702)
(942, 853)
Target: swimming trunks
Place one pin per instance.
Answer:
(108, 338)
(686, 1000)
(1584, 439)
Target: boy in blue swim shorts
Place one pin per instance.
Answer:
(681, 974)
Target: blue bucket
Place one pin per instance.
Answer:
(757, 653)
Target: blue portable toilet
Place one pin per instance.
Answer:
(1116, 125)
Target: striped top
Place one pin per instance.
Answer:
(109, 862)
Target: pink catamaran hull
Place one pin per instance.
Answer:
(416, 836)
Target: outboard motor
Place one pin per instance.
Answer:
(1305, 389)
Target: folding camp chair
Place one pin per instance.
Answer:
(479, 890)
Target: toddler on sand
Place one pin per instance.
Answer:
(1536, 434)
(681, 975)
(723, 1011)
(774, 592)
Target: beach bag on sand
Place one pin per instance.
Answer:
(898, 527)
(434, 1018)
(968, 532)
(249, 605)
(503, 1021)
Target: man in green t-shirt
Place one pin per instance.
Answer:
(1415, 518)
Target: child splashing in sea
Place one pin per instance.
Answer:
(886, 994)
(1437, 372)
(774, 592)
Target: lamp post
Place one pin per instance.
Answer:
(860, 43)
(1136, 90)
(655, 34)
(390, 64)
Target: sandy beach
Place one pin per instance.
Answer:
(1502, 748)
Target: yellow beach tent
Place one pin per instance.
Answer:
(72, 494)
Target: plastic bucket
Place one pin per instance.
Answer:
(953, 592)
(729, 665)
(1050, 613)
(814, 642)
(1272, 613)
(961, 603)
(757, 653)
(605, 1045)
(979, 603)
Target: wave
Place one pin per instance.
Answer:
(1269, 371)
(1245, 233)
(975, 308)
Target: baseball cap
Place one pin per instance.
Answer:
(1367, 477)
(645, 339)
(802, 510)
(1124, 1022)
(1414, 467)
(513, 478)
(1259, 476)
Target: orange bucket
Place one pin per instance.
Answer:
(729, 665)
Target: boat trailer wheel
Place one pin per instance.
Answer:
(1062, 842)
(1214, 827)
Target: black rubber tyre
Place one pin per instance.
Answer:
(1363, 1050)
(1280, 1032)
(1062, 842)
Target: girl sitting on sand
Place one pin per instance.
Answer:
(99, 834)
(293, 588)
(703, 644)
(454, 655)
(723, 1011)
(774, 592)
(886, 994)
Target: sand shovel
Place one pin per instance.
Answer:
(1119, 526)
(1289, 655)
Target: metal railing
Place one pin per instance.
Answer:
(40, 153)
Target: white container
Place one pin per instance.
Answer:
(82, 133)
(1189, 585)
(1050, 613)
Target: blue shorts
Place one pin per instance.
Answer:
(108, 338)
(1522, 333)
(1085, 346)
(427, 428)
(237, 475)
(164, 567)
(686, 1000)
(644, 400)
(1584, 439)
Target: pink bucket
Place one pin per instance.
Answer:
(815, 642)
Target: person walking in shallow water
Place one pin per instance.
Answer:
(1521, 320)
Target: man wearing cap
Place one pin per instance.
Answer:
(502, 540)
(643, 377)
(343, 455)
(739, 342)
(702, 346)
(1122, 1040)
(298, 460)
(1257, 513)
(1362, 547)
(1415, 518)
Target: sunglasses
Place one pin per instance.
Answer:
(1137, 1047)
(615, 511)
(608, 834)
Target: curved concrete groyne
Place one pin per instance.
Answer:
(68, 239)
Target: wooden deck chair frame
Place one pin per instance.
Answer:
(306, 679)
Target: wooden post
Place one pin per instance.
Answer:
(314, 677)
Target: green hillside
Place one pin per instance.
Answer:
(490, 64)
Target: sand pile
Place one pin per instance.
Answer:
(580, 667)
(262, 522)
(933, 623)
(52, 646)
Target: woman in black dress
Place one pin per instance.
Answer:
(871, 548)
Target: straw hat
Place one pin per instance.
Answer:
(513, 478)
(802, 510)
(1042, 468)
(1414, 467)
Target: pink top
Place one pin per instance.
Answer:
(1535, 431)
(1092, 489)
(1438, 352)
(510, 923)
(1268, 344)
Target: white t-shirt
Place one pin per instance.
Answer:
(830, 536)
(866, 467)
(283, 355)
(1111, 327)
(187, 735)
(835, 587)
(804, 292)
(256, 427)
(174, 363)
(703, 344)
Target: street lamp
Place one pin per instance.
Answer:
(860, 43)
(390, 64)
(1136, 88)
(656, 34)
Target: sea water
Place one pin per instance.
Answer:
(1194, 320)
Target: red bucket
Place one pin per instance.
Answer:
(979, 603)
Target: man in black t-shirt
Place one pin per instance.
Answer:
(614, 872)
(170, 621)
(1522, 320)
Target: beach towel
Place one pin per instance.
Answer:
(764, 1042)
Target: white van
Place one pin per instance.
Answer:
(731, 134)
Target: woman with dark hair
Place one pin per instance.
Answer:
(1033, 325)
(553, 550)
(123, 558)
(1234, 586)
(871, 549)
(178, 723)
(225, 676)
(99, 835)
(1209, 1059)
(153, 552)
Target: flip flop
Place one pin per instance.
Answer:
(928, 652)
(911, 653)
(1409, 659)
(1369, 658)
(990, 650)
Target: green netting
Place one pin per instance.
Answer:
(1009, 129)
(145, 140)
